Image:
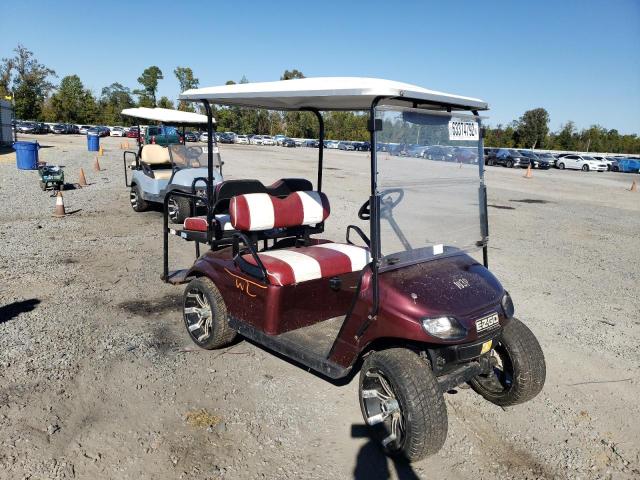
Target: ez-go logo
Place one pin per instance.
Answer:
(487, 322)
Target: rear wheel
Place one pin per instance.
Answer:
(585, 168)
(518, 368)
(561, 166)
(138, 203)
(509, 164)
(205, 315)
(402, 403)
(178, 208)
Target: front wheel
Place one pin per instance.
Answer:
(561, 166)
(402, 403)
(585, 168)
(509, 164)
(518, 368)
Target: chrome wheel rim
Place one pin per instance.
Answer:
(172, 208)
(198, 315)
(382, 410)
(133, 198)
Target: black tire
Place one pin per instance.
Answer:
(212, 331)
(585, 168)
(179, 209)
(420, 403)
(561, 166)
(523, 371)
(138, 203)
(509, 164)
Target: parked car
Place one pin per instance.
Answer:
(288, 142)
(509, 157)
(117, 132)
(242, 139)
(465, 155)
(191, 137)
(604, 160)
(204, 137)
(345, 146)
(225, 138)
(548, 157)
(629, 165)
(489, 153)
(59, 129)
(268, 140)
(162, 136)
(279, 139)
(255, 139)
(581, 162)
(133, 132)
(312, 143)
(437, 152)
(362, 146)
(535, 160)
(84, 129)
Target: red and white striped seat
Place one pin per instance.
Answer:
(260, 211)
(294, 265)
(199, 224)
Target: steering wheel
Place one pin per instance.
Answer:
(389, 199)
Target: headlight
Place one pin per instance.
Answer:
(507, 305)
(447, 328)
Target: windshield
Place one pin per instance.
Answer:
(429, 204)
(587, 158)
(183, 156)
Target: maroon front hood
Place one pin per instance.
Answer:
(457, 285)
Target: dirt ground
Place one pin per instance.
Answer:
(99, 380)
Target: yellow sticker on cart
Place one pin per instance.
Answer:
(486, 346)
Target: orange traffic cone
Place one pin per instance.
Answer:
(59, 211)
(82, 181)
(529, 174)
(96, 165)
(634, 187)
(126, 144)
(100, 151)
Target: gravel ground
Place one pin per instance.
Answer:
(98, 378)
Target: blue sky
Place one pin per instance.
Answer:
(578, 59)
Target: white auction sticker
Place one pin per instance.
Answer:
(463, 129)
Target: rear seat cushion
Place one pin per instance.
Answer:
(261, 211)
(294, 265)
(199, 224)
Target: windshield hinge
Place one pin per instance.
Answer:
(375, 125)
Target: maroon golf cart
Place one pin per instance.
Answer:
(406, 299)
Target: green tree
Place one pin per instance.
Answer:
(187, 81)
(532, 128)
(565, 138)
(288, 75)
(149, 81)
(70, 102)
(115, 98)
(164, 102)
(28, 82)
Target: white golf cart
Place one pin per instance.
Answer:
(159, 170)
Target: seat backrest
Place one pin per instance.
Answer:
(155, 155)
(284, 186)
(260, 211)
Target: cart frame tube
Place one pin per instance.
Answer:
(320, 118)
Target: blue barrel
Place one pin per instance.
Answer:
(93, 142)
(26, 155)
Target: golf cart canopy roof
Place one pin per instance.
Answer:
(329, 93)
(166, 115)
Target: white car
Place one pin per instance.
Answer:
(242, 139)
(268, 140)
(605, 160)
(204, 136)
(279, 139)
(581, 162)
(117, 132)
(256, 140)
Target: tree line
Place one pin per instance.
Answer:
(36, 97)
